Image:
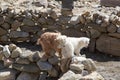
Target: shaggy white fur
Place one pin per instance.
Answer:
(67, 50)
(78, 43)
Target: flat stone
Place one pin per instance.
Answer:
(22, 61)
(8, 74)
(31, 29)
(26, 54)
(17, 34)
(28, 22)
(27, 76)
(45, 66)
(77, 68)
(32, 68)
(2, 31)
(110, 3)
(115, 35)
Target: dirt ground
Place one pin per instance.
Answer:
(108, 66)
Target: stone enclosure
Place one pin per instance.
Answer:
(26, 22)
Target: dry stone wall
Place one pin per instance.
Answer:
(28, 25)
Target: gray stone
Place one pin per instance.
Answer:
(1, 65)
(32, 68)
(22, 61)
(92, 76)
(1, 20)
(53, 60)
(6, 51)
(77, 59)
(2, 31)
(42, 20)
(77, 68)
(108, 45)
(89, 65)
(28, 22)
(6, 26)
(16, 52)
(27, 76)
(35, 56)
(94, 33)
(43, 76)
(53, 73)
(8, 74)
(110, 3)
(18, 34)
(112, 28)
(4, 38)
(45, 66)
(75, 19)
(69, 75)
(15, 25)
(26, 54)
(12, 47)
(30, 29)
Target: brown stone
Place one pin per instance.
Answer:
(110, 3)
(108, 45)
(116, 35)
(112, 28)
(94, 33)
(92, 45)
(6, 26)
(15, 25)
(2, 31)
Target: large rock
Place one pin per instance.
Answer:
(2, 31)
(92, 76)
(28, 22)
(12, 47)
(112, 28)
(116, 35)
(77, 68)
(53, 60)
(8, 74)
(22, 61)
(69, 75)
(108, 45)
(75, 19)
(16, 52)
(94, 33)
(45, 66)
(27, 76)
(53, 73)
(32, 68)
(26, 54)
(17, 34)
(111, 3)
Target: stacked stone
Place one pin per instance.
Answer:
(18, 64)
(27, 23)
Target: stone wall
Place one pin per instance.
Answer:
(21, 25)
(19, 64)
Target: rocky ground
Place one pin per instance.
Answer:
(108, 66)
